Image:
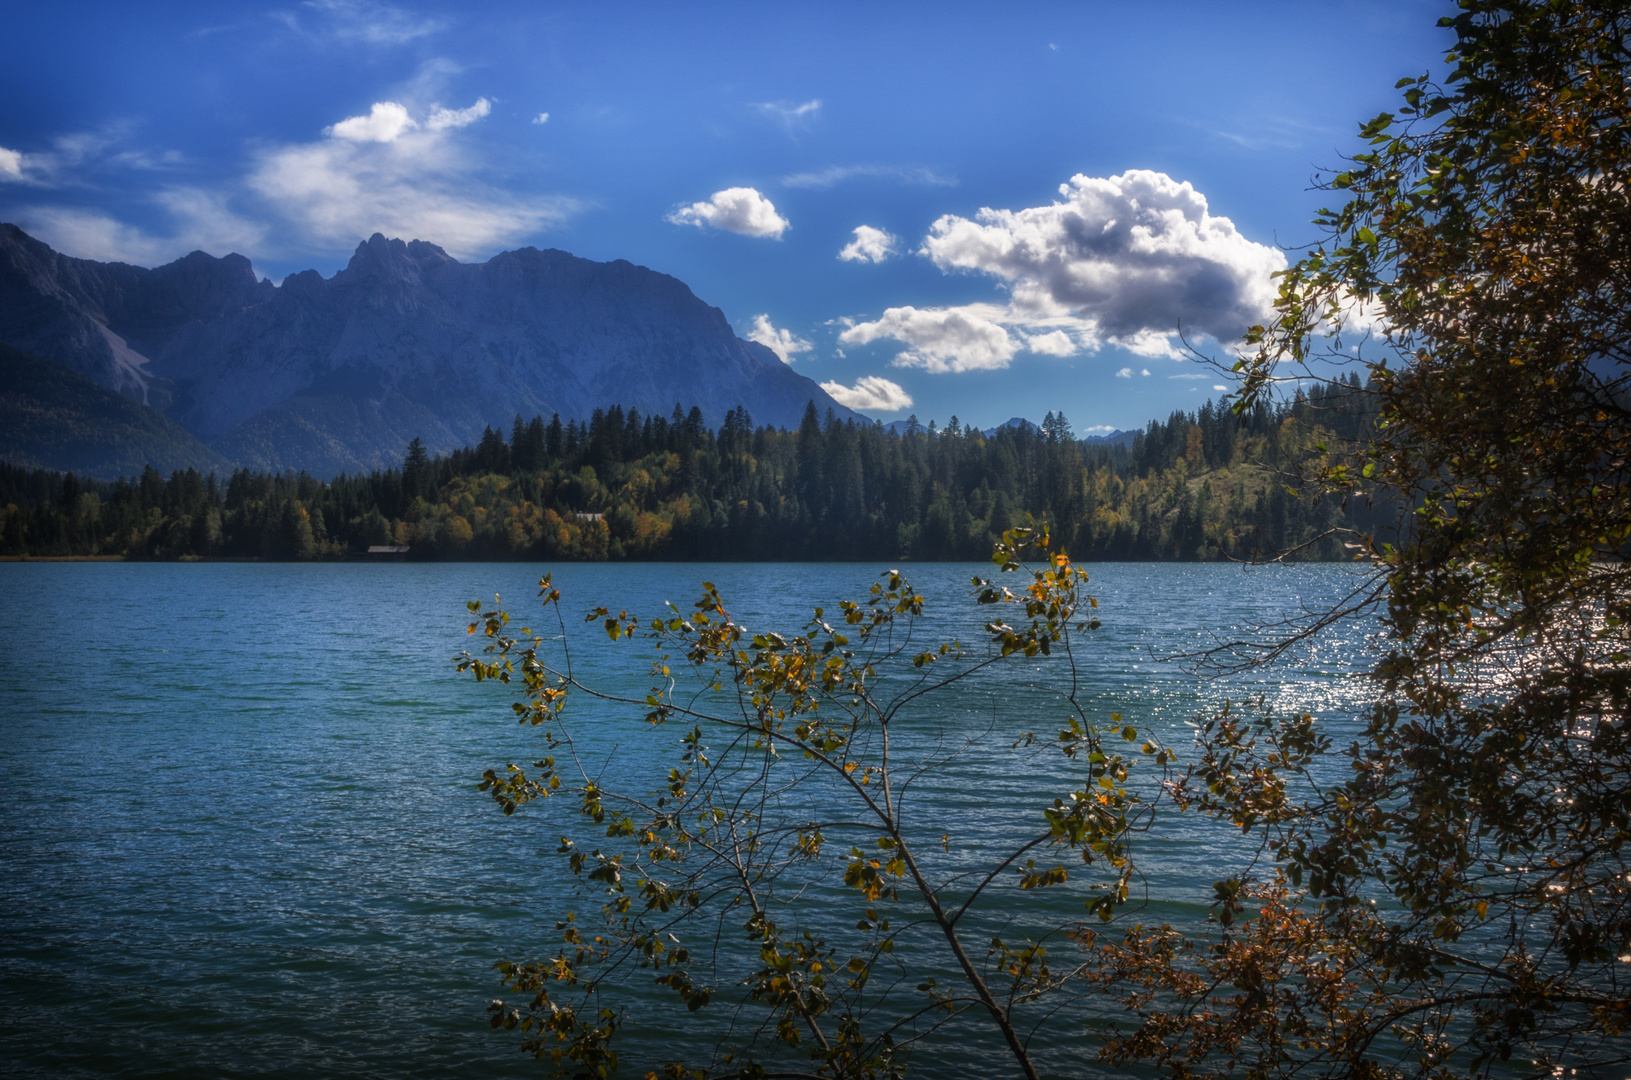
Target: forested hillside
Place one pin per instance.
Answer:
(1201, 485)
(52, 417)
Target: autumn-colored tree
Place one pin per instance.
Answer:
(1460, 903)
(783, 883)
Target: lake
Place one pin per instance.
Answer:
(239, 830)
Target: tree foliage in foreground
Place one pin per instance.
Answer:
(1448, 894)
(1460, 902)
(785, 885)
(624, 486)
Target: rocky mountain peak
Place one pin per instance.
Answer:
(384, 259)
(339, 374)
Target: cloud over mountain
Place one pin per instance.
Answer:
(739, 210)
(387, 172)
(781, 342)
(200, 219)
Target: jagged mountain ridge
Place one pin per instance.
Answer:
(337, 374)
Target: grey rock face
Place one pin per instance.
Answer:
(339, 374)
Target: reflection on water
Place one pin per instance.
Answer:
(239, 834)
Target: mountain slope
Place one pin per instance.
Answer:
(338, 374)
(54, 418)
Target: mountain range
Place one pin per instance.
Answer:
(338, 374)
(1116, 437)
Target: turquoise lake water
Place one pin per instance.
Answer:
(239, 830)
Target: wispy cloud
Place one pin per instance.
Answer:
(870, 393)
(541, 118)
(201, 220)
(792, 116)
(73, 160)
(441, 119)
(788, 114)
(89, 234)
(11, 165)
(900, 174)
(358, 22)
(398, 169)
(739, 210)
(1265, 132)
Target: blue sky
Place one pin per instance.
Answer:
(1043, 192)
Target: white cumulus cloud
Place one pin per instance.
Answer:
(11, 164)
(781, 342)
(870, 245)
(541, 118)
(870, 394)
(969, 337)
(1137, 255)
(1125, 373)
(386, 122)
(966, 338)
(739, 210)
(1052, 343)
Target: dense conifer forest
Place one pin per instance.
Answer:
(1202, 485)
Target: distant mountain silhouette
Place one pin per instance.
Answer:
(1016, 422)
(911, 425)
(54, 418)
(338, 374)
(1112, 438)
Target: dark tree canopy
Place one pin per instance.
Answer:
(1485, 238)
